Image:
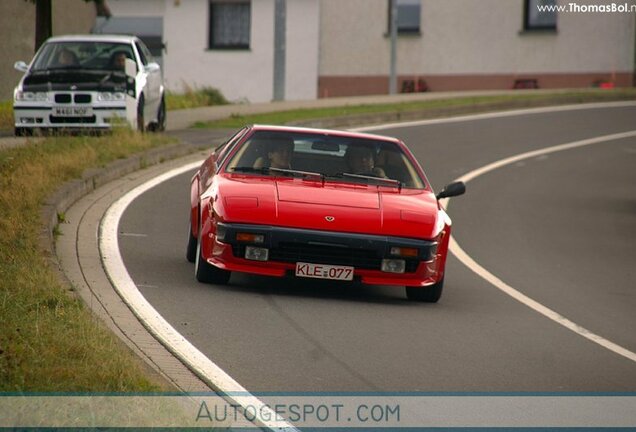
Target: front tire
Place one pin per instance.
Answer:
(141, 125)
(206, 272)
(191, 250)
(429, 294)
(161, 117)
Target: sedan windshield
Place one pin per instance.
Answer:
(82, 55)
(325, 157)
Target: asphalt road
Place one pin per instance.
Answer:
(560, 228)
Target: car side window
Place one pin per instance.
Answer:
(142, 55)
(228, 146)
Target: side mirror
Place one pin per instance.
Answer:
(152, 67)
(451, 190)
(21, 66)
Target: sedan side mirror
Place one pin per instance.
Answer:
(152, 67)
(451, 190)
(21, 66)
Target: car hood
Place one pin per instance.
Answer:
(297, 203)
(80, 79)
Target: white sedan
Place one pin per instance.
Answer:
(89, 81)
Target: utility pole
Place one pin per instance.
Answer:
(43, 22)
(393, 31)
(280, 13)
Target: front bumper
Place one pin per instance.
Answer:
(42, 115)
(287, 246)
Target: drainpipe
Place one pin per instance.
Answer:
(280, 12)
(392, 68)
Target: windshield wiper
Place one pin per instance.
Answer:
(298, 173)
(283, 171)
(368, 178)
(249, 169)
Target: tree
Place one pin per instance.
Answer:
(44, 18)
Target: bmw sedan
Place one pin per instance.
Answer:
(89, 81)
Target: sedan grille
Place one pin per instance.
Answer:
(63, 98)
(319, 254)
(82, 98)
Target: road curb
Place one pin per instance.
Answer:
(54, 207)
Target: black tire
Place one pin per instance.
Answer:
(141, 124)
(191, 251)
(207, 273)
(429, 294)
(161, 117)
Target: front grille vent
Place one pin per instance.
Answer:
(319, 254)
(63, 98)
(82, 98)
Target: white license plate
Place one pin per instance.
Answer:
(72, 111)
(323, 271)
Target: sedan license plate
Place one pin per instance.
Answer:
(323, 271)
(72, 111)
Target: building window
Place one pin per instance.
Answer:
(540, 15)
(229, 24)
(408, 16)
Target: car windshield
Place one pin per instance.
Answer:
(82, 55)
(326, 157)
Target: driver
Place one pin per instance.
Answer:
(361, 160)
(279, 154)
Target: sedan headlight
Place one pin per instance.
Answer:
(22, 96)
(111, 96)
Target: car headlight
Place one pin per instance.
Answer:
(22, 96)
(111, 96)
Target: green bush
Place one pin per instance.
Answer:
(6, 115)
(193, 98)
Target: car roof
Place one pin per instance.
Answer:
(93, 38)
(347, 134)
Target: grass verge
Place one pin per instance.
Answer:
(359, 114)
(49, 341)
(206, 96)
(6, 115)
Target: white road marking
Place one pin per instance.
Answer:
(214, 375)
(125, 234)
(178, 345)
(501, 285)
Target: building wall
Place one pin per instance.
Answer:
(467, 44)
(303, 35)
(241, 75)
(17, 32)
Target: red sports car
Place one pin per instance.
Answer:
(323, 204)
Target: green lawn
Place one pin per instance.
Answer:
(49, 340)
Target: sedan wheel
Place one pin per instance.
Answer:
(429, 294)
(161, 117)
(141, 125)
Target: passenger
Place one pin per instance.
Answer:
(279, 154)
(361, 160)
(67, 57)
